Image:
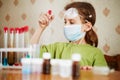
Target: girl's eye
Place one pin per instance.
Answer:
(71, 22)
(65, 22)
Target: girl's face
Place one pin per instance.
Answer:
(73, 28)
(72, 17)
(72, 21)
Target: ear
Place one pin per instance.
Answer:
(87, 26)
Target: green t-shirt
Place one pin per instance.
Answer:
(90, 56)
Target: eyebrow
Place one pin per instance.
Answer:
(69, 19)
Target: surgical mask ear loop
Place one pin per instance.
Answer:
(81, 40)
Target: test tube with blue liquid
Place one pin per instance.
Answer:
(4, 59)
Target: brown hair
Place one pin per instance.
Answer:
(87, 11)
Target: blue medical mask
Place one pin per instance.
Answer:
(73, 32)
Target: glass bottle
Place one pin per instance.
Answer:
(46, 63)
(76, 66)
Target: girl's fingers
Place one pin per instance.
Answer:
(50, 17)
(86, 68)
(45, 19)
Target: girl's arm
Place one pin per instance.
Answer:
(36, 36)
(44, 21)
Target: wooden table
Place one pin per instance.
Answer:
(12, 74)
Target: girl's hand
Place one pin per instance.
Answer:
(86, 68)
(45, 20)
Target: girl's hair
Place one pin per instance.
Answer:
(87, 11)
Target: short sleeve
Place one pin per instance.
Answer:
(51, 48)
(99, 59)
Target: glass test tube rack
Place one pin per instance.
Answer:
(29, 50)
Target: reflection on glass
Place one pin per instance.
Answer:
(25, 76)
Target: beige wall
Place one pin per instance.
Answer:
(17, 13)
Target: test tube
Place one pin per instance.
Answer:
(17, 61)
(5, 45)
(11, 54)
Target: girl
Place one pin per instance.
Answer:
(79, 19)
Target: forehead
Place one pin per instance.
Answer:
(74, 18)
(71, 13)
